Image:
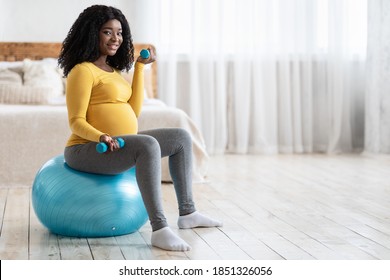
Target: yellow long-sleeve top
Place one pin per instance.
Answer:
(101, 102)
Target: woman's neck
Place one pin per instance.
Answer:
(101, 62)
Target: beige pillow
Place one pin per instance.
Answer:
(19, 94)
(8, 77)
(43, 83)
(43, 74)
(15, 66)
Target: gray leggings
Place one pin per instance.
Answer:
(145, 151)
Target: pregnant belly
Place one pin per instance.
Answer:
(114, 119)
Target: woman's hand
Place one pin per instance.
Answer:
(150, 59)
(112, 144)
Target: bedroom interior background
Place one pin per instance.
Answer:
(250, 96)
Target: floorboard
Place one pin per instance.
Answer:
(293, 207)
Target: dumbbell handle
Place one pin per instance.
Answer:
(102, 147)
(145, 53)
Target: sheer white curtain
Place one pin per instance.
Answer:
(377, 130)
(266, 76)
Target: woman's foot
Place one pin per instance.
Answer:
(196, 219)
(166, 239)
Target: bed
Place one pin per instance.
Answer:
(33, 122)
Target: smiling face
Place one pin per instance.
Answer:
(110, 37)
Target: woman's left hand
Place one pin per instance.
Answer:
(150, 59)
(112, 144)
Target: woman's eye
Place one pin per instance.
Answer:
(107, 32)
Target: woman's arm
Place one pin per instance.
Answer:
(78, 93)
(137, 96)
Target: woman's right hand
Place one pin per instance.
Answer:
(150, 59)
(112, 144)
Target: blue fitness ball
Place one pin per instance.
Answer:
(74, 203)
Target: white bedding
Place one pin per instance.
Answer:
(30, 135)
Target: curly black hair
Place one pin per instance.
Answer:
(82, 42)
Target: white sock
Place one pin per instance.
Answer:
(166, 239)
(196, 219)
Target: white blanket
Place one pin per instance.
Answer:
(30, 135)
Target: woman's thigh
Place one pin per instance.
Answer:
(85, 157)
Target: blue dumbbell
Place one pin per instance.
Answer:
(145, 53)
(102, 147)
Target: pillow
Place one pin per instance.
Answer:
(20, 94)
(43, 73)
(8, 77)
(41, 84)
(16, 66)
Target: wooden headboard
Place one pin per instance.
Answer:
(17, 51)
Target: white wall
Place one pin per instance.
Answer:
(50, 20)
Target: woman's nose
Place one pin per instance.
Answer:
(114, 37)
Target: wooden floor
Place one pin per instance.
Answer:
(273, 207)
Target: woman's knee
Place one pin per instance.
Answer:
(184, 137)
(145, 145)
(171, 140)
(151, 145)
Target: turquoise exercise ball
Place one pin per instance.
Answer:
(79, 204)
